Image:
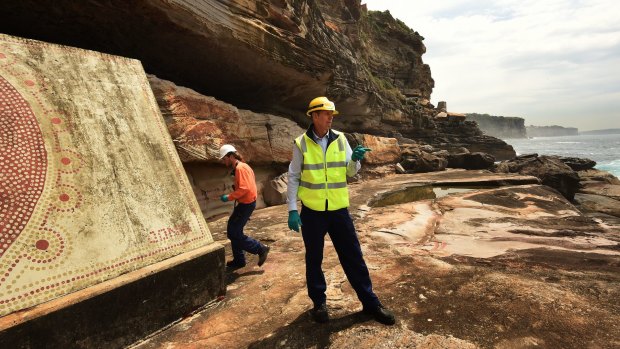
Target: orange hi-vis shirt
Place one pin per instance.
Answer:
(245, 184)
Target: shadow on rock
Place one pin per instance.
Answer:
(233, 275)
(303, 332)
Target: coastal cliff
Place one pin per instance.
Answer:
(499, 126)
(551, 131)
(265, 56)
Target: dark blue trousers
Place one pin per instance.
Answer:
(339, 226)
(238, 240)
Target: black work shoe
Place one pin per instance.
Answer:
(381, 314)
(232, 265)
(319, 314)
(262, 257)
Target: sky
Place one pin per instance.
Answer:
(551, 62)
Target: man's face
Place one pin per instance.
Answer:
(323, 119)
(226, 160)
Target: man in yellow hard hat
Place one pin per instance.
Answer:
(322, 159)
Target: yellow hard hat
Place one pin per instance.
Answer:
(321, 103)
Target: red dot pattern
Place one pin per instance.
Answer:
(42, 244)
(23, 164)
(45, 249)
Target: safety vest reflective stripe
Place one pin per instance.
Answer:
(336, 185)
(312, 167)
(323, 179)
(322, 185)
(311, 186)
(333, 164)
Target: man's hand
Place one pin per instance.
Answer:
(224, 198)
(359, 152)
(294, 221)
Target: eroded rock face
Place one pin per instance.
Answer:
(454, 135)
(200, 125)
(263, 55)
(268, 56)
(599, 195)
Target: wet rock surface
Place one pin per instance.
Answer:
(599, 196)
(515, 267)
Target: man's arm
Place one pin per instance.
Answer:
(294, 175)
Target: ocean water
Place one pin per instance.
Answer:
(604, 149)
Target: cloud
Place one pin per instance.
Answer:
(553, 61)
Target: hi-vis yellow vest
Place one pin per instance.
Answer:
(323, 178)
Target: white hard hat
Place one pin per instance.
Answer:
(225, 149)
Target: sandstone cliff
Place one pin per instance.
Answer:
(499, 126)
(268, 56)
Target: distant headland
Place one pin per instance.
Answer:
(551, 131)
(608, 131)
(514, 127)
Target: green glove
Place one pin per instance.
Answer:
(359, 152)
(294, 221)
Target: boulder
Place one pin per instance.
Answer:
(594, 176)
(470, 161)
(601, 188)
(598, 203)
(550, 170)
(577, 164)
(384, 150)
(274, 192)
(423, 162)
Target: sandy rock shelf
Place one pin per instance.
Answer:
(515, 266)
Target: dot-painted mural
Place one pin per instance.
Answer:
(90, 183)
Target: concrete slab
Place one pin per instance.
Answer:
(117, 312)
